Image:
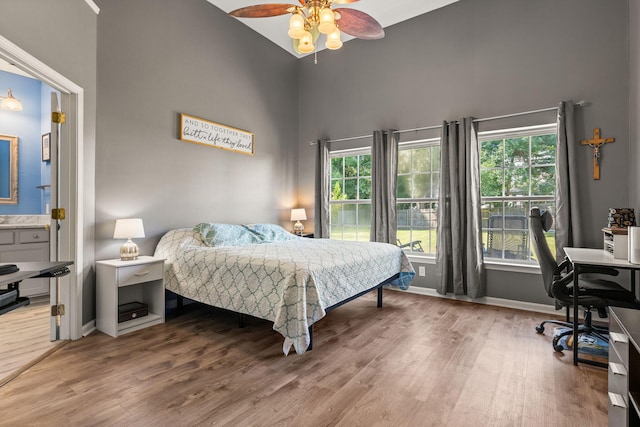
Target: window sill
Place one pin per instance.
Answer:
(498, 265)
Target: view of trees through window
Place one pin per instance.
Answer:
(517, 172)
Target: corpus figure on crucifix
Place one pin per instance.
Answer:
(595, 143)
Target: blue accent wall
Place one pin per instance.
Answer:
(28, 126)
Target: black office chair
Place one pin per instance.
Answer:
(594, 292)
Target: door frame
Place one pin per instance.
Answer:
(71, 185)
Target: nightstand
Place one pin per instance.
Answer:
(122, 282)
(309, 235)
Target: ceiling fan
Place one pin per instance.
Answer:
(313, 17)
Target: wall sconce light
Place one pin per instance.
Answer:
(298, 215)
(129, 229)
(10, 103)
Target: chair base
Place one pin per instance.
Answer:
(587, 327)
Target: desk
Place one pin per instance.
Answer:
(582, 257)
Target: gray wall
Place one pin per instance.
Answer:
(483, 58)
(63, 34)
(157, 59)
(634, 104)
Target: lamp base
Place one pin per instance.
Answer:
(129, 251)
(298, 228)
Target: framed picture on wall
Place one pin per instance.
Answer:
(46, 146)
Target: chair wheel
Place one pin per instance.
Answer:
(540, 329)
(558, 348)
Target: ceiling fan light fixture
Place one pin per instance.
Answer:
(327, 22)
(296, 26)
(333, 40)
(306, 43)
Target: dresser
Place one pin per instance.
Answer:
(24, 244)
(624, 367)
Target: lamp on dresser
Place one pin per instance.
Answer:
(130, 228)
(298, 215)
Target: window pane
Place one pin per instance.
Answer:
(543, 150)
(491, 155)
(435, 158)
(336, 190)
(421, 185)
(351, 188)
(516, 152)
(435, 184)
(336, 222)
(336, 167)
(491, 182)
(364, 188)
(351, 166)
(365, 165)
(364, 223)
(421, 160)
(404, 161)
(543, 181)
(404, 187)
(516, 182)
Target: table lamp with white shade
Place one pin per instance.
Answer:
(130, 228)
(298, 215)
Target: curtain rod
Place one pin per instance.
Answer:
(506, 116)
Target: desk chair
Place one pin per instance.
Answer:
(594, 293)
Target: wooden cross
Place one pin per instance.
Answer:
(595, 143)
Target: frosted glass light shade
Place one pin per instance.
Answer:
(10, 103)
(306, 43)
(327, 22)
(333, 40)
(296, 26)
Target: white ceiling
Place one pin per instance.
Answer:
(386, 12)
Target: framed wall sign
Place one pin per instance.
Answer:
(46, 147)
(211, 134)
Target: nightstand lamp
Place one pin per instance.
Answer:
(131, 228)
(298, 215)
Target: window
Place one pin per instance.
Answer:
(350, 198)
(417, 195)
(517, 172)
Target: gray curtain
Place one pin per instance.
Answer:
(459, 259)
(568, 219)
(384, 177)
(322, 212)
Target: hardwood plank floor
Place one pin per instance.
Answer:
(418, 361)
(24, 336)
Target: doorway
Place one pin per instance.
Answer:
(70, 177)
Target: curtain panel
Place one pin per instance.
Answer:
(568, 224)
(384, 177)
(459, 258)
(322, 210)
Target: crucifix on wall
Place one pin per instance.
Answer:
(595, 143)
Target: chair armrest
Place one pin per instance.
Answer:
(599, 270)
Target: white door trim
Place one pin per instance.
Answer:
(71, 187)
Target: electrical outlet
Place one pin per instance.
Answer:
(421, 271)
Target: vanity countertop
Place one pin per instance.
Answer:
(14, 226)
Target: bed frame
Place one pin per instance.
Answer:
(242, 316)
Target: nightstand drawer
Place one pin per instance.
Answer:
(139, 273)
(33, 236)
(6, 237)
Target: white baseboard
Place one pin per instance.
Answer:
(499, 302)
(88, 328)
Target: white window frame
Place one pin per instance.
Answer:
(516, 133)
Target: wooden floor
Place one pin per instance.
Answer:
(418, 361)
(24, 336)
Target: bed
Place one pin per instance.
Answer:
(266, 272)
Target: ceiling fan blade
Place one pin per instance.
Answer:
(262, 10)
(344, 1)
(358, 24)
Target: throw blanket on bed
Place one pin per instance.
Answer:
(285, 279)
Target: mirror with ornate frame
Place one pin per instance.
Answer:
(8, 170)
